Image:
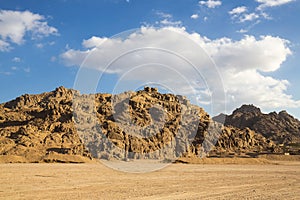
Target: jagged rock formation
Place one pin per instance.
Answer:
(64, 126)
(281, 127)
(143, 124)
(235, 141)
(38, 127)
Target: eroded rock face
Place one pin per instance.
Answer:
(35, 126)
(282, 128)
(235, 141)
(145, 124)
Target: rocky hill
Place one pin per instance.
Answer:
(36, 128)
(64, 126)
(281, 128)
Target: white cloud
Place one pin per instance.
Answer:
(240, 14)
(4, 46)
(195, 16)
(265, 54)
(271, 3)
(238, 10)
(250, 87)
(210, 3)
(242, 31)
(16, 59)
(39, 45)
(167, 22)
(144, 56)
(15, 24)
(51, 43)
(266, 16)
(93, 42)
(163, 14)
(249, 17)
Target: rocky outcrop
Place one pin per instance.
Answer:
(281, 128)
(242, 142)
(37, 127)
(64, 126)
(144, 124)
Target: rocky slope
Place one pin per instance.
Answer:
(40, 128)
(64, 126)
(281, 127)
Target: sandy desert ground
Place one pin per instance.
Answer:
(176, 181)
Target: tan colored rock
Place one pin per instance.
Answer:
(281, 128)
(145, 124)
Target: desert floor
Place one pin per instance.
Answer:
(175, 181)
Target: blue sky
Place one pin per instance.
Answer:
(255, 45)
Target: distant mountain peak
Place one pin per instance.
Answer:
(250, 108)
(281, 127)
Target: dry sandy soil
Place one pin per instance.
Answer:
(175, 181)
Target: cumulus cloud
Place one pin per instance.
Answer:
(15, 24)
(240, 14)
(167, 19)
(238, 10)
(172, 56)
(167, 22)
(271, 3)
(265, 54)
(194, 16)
(210, 3)
(250, 86)
(39, 45)
(249, 17)
(266, 16)
(4, 46)
(93, 42)
(242, 31)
